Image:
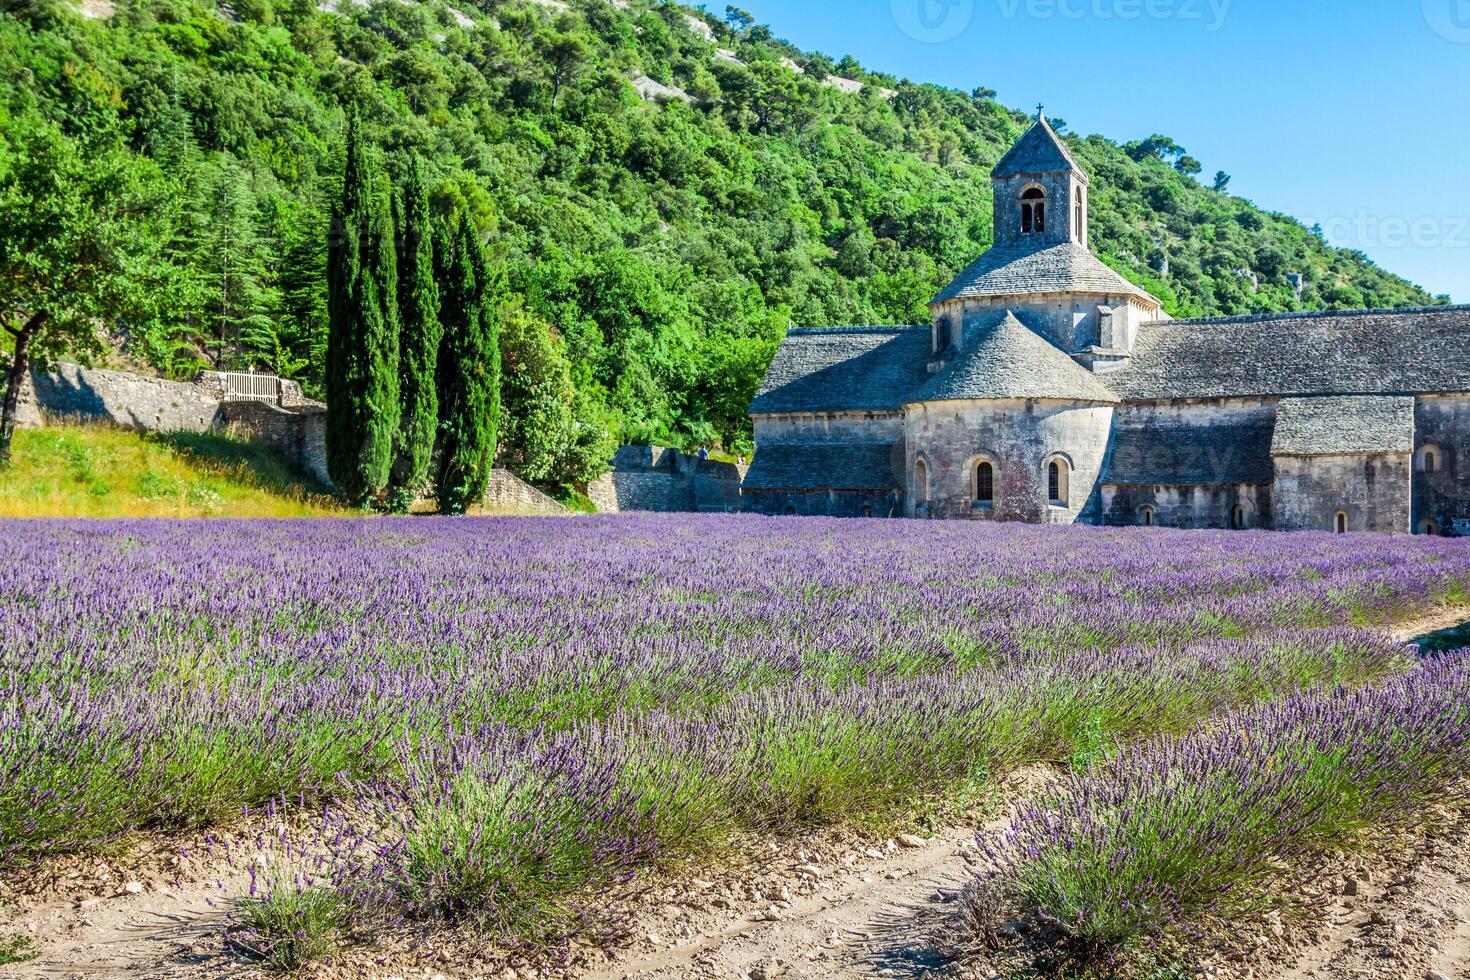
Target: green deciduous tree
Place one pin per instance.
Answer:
(469, 406)
(80, 231)
(550, 434)
(420, 335)
(362, 345)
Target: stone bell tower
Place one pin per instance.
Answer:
(1040, 192)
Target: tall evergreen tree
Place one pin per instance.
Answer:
(420, 335)
(469, 409)
(362, 343)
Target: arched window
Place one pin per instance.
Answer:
(1430, 459)
(1146, 516)
(1341, 525)
(984, 482)
(921, 482)
(1079, 214)
(1428, 527)
(1058, 478)
(1237, 517)
(1033, 211)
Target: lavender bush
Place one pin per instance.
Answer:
(526, 710)
(1174, 831)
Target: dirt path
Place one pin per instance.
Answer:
(1441, 619)
(1403, 920)
(159, 934)
(863, 921)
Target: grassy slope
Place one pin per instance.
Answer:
(90, 471)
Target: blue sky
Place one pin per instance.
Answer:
(1354, 114)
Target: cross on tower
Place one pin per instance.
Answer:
(1040, 112)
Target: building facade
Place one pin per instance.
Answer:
(1047, 388)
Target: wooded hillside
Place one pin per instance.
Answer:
(666, 190)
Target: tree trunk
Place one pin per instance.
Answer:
(14, 380)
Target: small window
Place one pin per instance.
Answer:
(1146, 516)
(1237, 518)
(1078, 217)
(1058, 476)
(1342, 522)
(921, 482)
(790, 510)
(1428, 528)
(1033, 211)
(867, 511)
(985, 483)
(1430, 459)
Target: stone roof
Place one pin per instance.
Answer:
(1039, 151)
(1208, 452)
(849, 369)
(1017, 270)
(1003, 358)
(1371, 352)
(826, 466)
(1344, 426)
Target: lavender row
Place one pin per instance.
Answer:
(1176, 832)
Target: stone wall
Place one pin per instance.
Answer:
(295, 428)
(1442, 497)
(1019, 438)
(299, 435)
(653, 478)
(824, 503)
(506, 493)
(866, 427)
(129, 400)
(1197, 506)
(1375, 491)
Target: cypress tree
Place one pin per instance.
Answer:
(470, 376)
(362, 342)
(420, 334)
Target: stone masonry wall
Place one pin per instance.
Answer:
(299, 436)
(1443, 497)
(1196, 506)
(1375, 491)
(296, 428)
(1018, 438)
(508, 494)
(128, 400)
(653, 478)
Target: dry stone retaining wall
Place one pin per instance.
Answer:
(294, 426)
(654, 478)
(129, 400)
(509, 494)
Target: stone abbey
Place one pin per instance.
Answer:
(1047, 388)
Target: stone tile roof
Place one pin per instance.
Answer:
(1219, 451)
(1039, 151)
(1003, 358)
(826, 466)
(1344, 426)
(1017, 270)
(849, 369)
(1372, 352)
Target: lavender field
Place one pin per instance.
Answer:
(504, 718)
